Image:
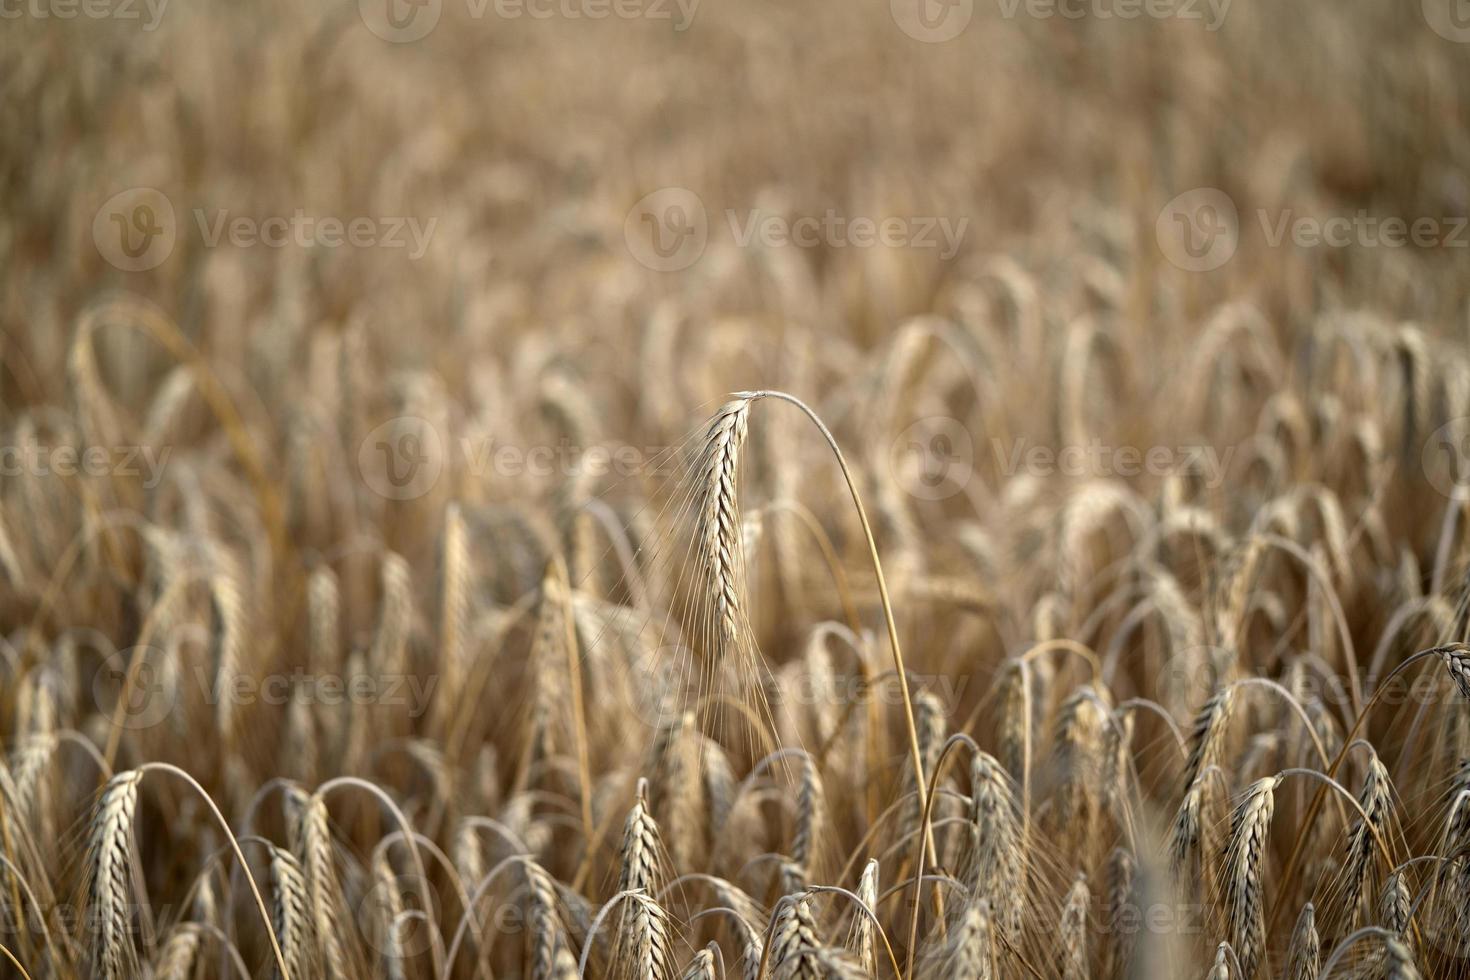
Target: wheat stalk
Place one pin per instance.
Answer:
(110, 882)
(1250, 825)
(1073, 932)
(1305, 951)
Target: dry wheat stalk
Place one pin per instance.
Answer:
(863, 939)
(292, 912)
(807, 836)
(545, 927)
(1304, 954)
(1221, 969)
(1250, 825)
(719, 518)
(639, 867)
(997, 851)
(1376, 801)
(1395, 903)
(1122, 870)
(176, 958)
(1075, 955)
(701, 967)
(793, 939)
(1208, 733)
(324, 894)
(970, 954)
(110, 883)
(1399, 963)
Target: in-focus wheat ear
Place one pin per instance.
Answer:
(1250, 825)
(1456, 658)
(292, 916)
(110, 883)
(720, 535)
(1376, 801)
(720, 549)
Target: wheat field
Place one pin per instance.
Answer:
(677, 490)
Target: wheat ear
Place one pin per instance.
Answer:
(1250, 825)
(1074, 958)
(111, 876)
(1304, 955)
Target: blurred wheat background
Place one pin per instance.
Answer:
(413, 562)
